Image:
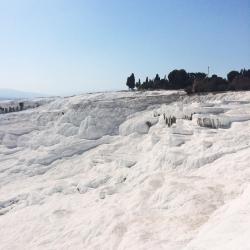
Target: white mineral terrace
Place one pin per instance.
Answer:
(104, 171)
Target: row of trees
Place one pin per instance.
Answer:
(193, 82)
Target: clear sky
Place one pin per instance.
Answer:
(71, 46)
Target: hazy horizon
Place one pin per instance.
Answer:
(17, 93)
(62, 47)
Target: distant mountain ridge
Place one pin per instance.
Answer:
(8, 94)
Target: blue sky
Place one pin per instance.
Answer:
(65, 47)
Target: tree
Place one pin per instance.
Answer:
(232, 75)
(157, 82)
(197, 76)
(210, 84)
(138, 84)
(150, 84)
(178, 79)
(241, 81)
(164, 83)
(145, 84)
(245, 73)
(131, 81)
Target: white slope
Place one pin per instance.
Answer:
(104, 171)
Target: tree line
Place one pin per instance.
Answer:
(193, 82)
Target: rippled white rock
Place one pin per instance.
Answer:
(88, 172)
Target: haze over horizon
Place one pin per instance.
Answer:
(65, 47)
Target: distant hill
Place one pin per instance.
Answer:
(7, 94)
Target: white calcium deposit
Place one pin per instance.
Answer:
(104, 171)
